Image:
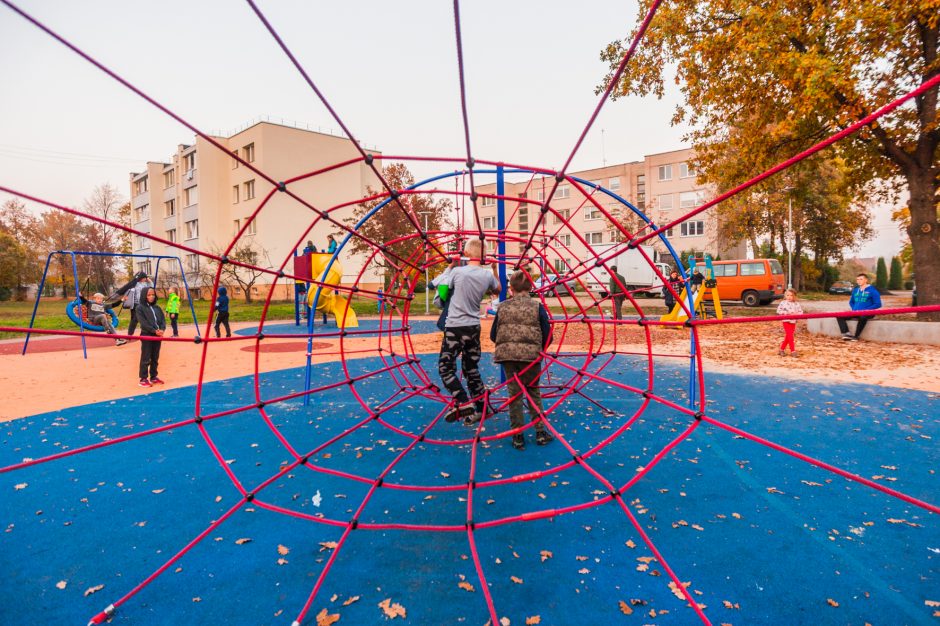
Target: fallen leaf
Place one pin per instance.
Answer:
(94, 589)
(831, 602)
(282, 561)
(242, 541)
(62, 584)
(545, 555)
(158, 490)
(197, 599)
(630, 543)
(516, 580)
(328, 545)
(325, 618)
(19, 486)
(392, 609)
(531, 621)
(350, 600)
(283, 550)
(625, 608)
(584, 570)
(466, 586)
(931, 603)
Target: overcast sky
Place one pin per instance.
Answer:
(388, 69)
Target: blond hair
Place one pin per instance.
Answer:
(473, 249)
(98, 295)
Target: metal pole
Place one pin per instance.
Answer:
(790, 243)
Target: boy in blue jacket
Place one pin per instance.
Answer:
(865, 297)
(221, 313)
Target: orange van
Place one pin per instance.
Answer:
(752, 281)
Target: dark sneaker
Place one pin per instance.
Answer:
(851, 338)
(458, 412)
(120, 342)
(543, 437)
(846, 337)
(794, 354)
(144, 383)
(472, 419)
(156, 381)
(518, 441)
(782, 353)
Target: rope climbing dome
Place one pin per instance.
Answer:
(587, 342)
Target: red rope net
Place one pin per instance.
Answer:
(587, 340)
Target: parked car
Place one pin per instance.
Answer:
(560, 288)
(841, 287)
(752, 281)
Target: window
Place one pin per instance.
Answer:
(753, 269)
(686, 171)
(669, 232)
(235, 160)
(489, 223)
(144, 266)
(692, 229)
(142, 242)
(594, 238)
(252, 227)
(169, 179)
(559, 266)
(248, 152)
(614, 184)
(140, 186)
(564, 240)
(731, 269)
(562, 216)
(190, 196)
(249, 190)
(540, 195)
(171, 235)
(691, 199)
(234, 194)
(192, 229)
(592, 213)
(237, 225)
(169, 208)
(487, 201)
(189, 163)
(142, 214)
(665, 172)
(524, 218)
(563, 191)
(491, 246)
(192, 262)
(664, 201)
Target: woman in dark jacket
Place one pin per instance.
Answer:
(152, 324)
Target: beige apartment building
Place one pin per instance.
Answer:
(663, 186)
(201, 197)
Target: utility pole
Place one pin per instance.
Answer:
(427, 286)
(790, 238)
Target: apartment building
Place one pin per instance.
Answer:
(663, 186)
(201, 197)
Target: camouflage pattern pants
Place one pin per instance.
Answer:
(530, 380)
(462, 341)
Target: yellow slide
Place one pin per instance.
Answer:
(677, 314)
(330, 301)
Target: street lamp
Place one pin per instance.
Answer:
(427, 287)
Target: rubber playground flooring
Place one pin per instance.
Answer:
(759, 536)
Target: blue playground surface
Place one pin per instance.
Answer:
(761, 537)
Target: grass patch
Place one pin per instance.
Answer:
(51, 314)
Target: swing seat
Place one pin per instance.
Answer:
(78, 313)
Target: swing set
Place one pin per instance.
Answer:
(78, 313)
